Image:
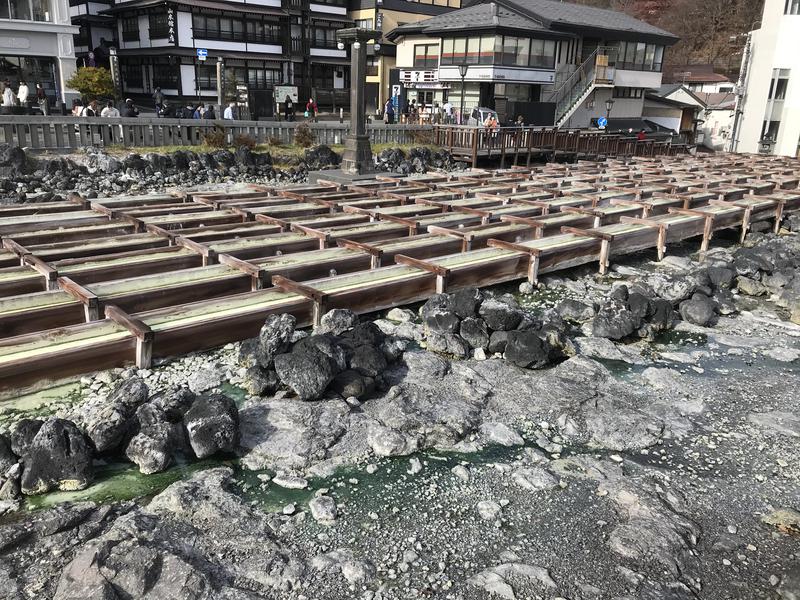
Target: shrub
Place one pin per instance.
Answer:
(421, 136)
(92, 82)
(274, 140)
(216, 138)
(242, 139)
(303, 136)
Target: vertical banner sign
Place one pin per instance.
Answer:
(116, 79)
(379, 21)
(171, 25)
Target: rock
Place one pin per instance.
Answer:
(205, 379)
(158, 441)
(751, 287)
(497, 581)
(336, 322)
(320, 157)
(441, 322)
(605, 349)
(414, 466)
(474, 332)
(461, 472)
(534, 479)
(526, 349)
(260, 382)
(58, 457)
(614, 321)
(368, 361)
(401, 315)
(323, 509)
(575, 310)
(465, 302)
(351, 384)
(699, 310)
(107, 427)
(721, 277)
(498, 341)
(500, 315)
(306, 373)
(500, 433)
(389, 442)
(675, 288)
(7, 458)
(212, 424)
(786, 520)
(358, 571)
(274, 338)
(22, 434)
(448, 343)
(330, 346)
(489, 510)
(789, 587)
(783, 354)
(290, 482)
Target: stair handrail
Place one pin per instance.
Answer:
(570, 81)
(586, 71)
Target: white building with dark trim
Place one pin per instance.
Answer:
(547, 61)
(36, 45)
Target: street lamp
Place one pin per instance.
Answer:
(340, 45)
(609, 106)
(462, 70)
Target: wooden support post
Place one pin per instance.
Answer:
(76, 198)
(707, 231)
(605, 243)
(745, 223)
(49, 273)
(257, 279)
(18, 249)
(375, 253)
(441, 273)
(322, 236)
(661, 240)
(318, 297)
(778, 215)
(143, 334)
(208, 254)
(91, 304)
(533, 256)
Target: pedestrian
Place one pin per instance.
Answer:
(129, 110)
(311, 110)
(9, 97)
(198, 112)
(109, 110)
(167, 111)
(90, 110)
(288, 108)
(520, 122)
(448, 112)
(210, 114)
(437, 113)
(158, 99)
(641, 136)
(22, 95)
(41, 100)
(412, 112)
(228, 112)
(388, 112)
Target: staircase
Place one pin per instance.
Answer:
(594, 72)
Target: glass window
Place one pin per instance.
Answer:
(426, 56)
(459, 51)
(206, 77)
(447, 51)
(132, 75)
(487, 50)
(659, 58)
(130, 29)
(25, 10)
(509, 50)
(543, 54)
(649, 57)
(40, 10)
(21, 9)
(165, 76)
(158, 25)
(628, 92)
(363, 23)
(523, 52)
(792, 7)
(473, 51)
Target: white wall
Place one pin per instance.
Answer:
(717, 127)
(595, 107)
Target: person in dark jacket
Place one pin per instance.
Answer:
(288, 108)
(129, 109)
(158, 100)
(210, 114)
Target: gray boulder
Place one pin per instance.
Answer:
(751, 287)
(500, 315)
(699, 310)
(106, 428)
(721, 277)
(526, 349)
(441, 321)
(212, 425)
(448, 343)
(325, 344)
(368, 360)
(260, 382)
(306, 372)
(614, 321)
(58, 458)
(465, 303)
(22, 433)
(475, 332)
(7, 458)
(274, 338)
(498, 341)
(575, 310)
(336, 322)
(352, 384)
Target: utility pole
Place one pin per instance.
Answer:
(220, 74)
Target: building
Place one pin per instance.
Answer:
(97, 31)
(768, 107)
(262, 43)
(717, 118)
(676, 108)
(699, 78)
(552, 63)
(36, 45)
(385, 16)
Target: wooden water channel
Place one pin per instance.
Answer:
(94, 284)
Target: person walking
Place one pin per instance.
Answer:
(22, 95)
(228, 113)
(129, 110)
(198, 112)
(388, 112)
(9, 98)
(641, 136)
(90, 110)
(41, 100)
(448, 112)
(109, 110)
(288, 108)
(210, 114)
(311, 110)
(158, 99)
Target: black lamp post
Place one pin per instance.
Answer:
(609, 106)
(462, 70)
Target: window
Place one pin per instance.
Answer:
(130, 29)
(449, 3)
(30, 69)
(779, 83)
(259, 32)
(792, 7)
(218, 28)
(322, 76)
(770, 130)
(159, 28)
(628, 92)
(324, 38)
(363, 23)
(132, 75)
(543, 54)
(426, 56)
(83, 38)
(25, 10)
(260, 79)
(638, 56)
(372, 66)
(500, 50)
(165, 76)
(206, 77)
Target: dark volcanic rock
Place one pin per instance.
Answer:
(330, 346)
(58, 458)
(475, 332)
(498, 341)
(337, 321)
(158, 440)
(306, 372)
(699, 310)
(368, 360)
(274, 338)
(212, 425)
(260, 382)
(106, 428)
(441, 321)
(448, 343)
(575, 310)
(500, 315)
(614, 321)
(321, 157)
(22, 435)
(465, 303)
(721, 277)
(526, 349)
(351, 383)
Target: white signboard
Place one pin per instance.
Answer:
(281, 91)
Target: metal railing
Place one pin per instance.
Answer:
(586, 75)
(70, 133)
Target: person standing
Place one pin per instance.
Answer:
(288, 108)
(388, 112)
(41, 100)
(158, 100)
(109, 110)
(641, 136)
(311, 110)
(9, 98)
(198, 112)
(22, 95)
(228, 112)
(448, 112)
(90, 110)
(210, 114)
(129, 110)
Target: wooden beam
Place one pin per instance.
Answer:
(208, 254)
(318, 297)
(441, 272)
(142, 332)
(323, 236)
(256, 274)
(91, 304)
(375, 253)
(49, 273)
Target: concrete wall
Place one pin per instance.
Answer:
(595, 107)
(775, 46)
(717, 128)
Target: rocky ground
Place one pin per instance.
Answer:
(27, 176)
(651, 450)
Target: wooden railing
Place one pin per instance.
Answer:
(69, 133)
(502, 142)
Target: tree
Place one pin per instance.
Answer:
(92, 82)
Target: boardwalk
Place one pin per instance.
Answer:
(94, 284)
